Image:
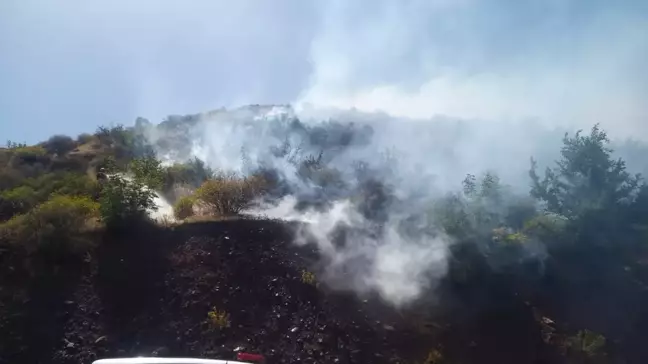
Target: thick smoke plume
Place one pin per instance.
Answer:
(361, 185)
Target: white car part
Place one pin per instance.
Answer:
(156, 360)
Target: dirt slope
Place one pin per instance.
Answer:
(150, 293)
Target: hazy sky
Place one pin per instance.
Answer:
(68, 66)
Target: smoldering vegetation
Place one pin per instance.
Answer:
(364, 185)
(400, 207)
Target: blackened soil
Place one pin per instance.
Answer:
(150, 293)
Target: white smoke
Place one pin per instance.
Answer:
(399, 268)
(163, 211)
(417, 160)
(484, 60)
(445, 88)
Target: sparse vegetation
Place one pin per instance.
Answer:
(218, 319)
(308, 277)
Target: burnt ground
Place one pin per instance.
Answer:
(149, 293)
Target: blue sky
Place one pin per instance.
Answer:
(67, 67)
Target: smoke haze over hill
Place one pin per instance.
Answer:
(403, 98)
(363, 184)
(369, 181)
(568, 63)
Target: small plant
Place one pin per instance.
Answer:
(308, 277)
(434, 357)
(218, 319)
(183, 208)
(507, 236)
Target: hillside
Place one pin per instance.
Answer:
(153, 292)
(303, 242)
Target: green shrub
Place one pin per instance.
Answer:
(123, 200)
(183, 208)
(228, 194)
(76, 184)
(19, 199)
(33, 191)
(52, 227)
(148, 171)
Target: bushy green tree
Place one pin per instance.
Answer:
(124, 199)
(147, 170)
(585, 178)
